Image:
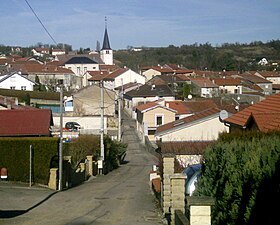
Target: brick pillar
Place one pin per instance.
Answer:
(168, 170)
(53, 178)
(90, 167)
(177, 194)
(200, 210)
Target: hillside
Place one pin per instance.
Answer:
(236, 56)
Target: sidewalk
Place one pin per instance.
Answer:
(19, 197)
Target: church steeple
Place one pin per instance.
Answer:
(106, 43)
(106, 52)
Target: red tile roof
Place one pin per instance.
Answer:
(200, 105)
(25, 122)
(116, 73)
(269, 106)
(97, 75)
(187, 120)
(160, 69)
(227, 81)
(254, 78)
(151, 105)
(179, 106)
(146, 106)
(41, 69)
(203, 82)
(267, 74)
(267, 121)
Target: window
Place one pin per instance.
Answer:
(23, 88)
(78, 70)
(12, 87)
(159, 120)
(235, 91)
(107, 52)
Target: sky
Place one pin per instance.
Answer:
(138, 23)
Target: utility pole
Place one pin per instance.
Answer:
(61, 140)
(120, 113)
(102, 121)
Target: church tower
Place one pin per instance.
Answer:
(106, 52)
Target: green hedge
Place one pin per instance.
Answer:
(242, 173)
(21, 95)
(14, 155)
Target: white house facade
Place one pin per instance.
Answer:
(206, 128)
(16, 81)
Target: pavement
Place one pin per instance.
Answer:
(122, 197)
(18, 198)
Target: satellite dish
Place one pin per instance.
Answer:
(223, 115)
(190, 97)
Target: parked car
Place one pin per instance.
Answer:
(73, 126)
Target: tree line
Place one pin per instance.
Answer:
(236, 56)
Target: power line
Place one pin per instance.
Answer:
(40, 22)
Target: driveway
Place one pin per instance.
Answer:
(122, 197)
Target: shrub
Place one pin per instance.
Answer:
(82, 146)
(236, 172)
(114, 152)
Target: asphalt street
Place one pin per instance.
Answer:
(122, 197)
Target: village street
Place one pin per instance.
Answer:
(122, 197)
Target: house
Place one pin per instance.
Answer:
(228, 85)
(80, 65)
(16, 81)
(262, 116)
(57, 51)
(202, 126)
(40, 51)
(262, 61)
(50, 75)
(151, 115)
(94, 77)
(86, 101)
(84, 107)
(190, 107)
(128, 87)
(146, 93)
(264, 84)
(150, 72)
(204, 87)
(180, 107)
(25, 123)
(122, 77)
(273, 76)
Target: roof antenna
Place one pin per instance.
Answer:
(105, 22)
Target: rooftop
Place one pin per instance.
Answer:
(264, 110)
(23, 122)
